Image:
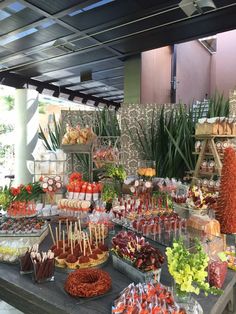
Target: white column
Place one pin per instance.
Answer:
(26, 132)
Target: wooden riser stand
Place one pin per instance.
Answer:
(208, 141)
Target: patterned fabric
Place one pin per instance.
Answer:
(129, 115)
(232, 104)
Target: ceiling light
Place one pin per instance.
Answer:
(64, 45)
(196, 6)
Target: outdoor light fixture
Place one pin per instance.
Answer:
(56, 93)
(84, 101)
(196, 6)
(71, 97)
(40, 89)
(96, 103)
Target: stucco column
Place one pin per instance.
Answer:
(132, 80)
(26, 132)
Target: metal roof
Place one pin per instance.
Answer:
(78, 48)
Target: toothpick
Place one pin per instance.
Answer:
(52, 236)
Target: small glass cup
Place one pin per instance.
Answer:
(26, 266)
(43, 271)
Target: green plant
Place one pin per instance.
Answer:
(188, 268)
(108, 192)
(218, 106)
(53, 140)
(116, 172)
(146, 137)
(9, 102)
(106, 123)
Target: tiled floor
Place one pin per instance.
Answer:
(8, 309)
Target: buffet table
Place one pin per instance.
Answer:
(50, 297)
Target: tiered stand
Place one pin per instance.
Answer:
(208, 141)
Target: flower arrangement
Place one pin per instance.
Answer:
(22, 193)
(188, 268)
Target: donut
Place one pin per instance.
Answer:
(87, 283)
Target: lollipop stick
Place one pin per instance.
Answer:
(89, 245)
(90, 233)
(80, 230)
(59, 230)
(67, 227)
(52, 236)
(84, 245)
(96, 236)
(79, 240)
(99, 233)
(63, 239)
(57, 238)
(71, 245)
(102, 233)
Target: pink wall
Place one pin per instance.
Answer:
(223, 76)
(193, 72)
(198, 72)
(156, 76)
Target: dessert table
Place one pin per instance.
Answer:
(20, 291)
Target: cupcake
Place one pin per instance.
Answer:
(71, 261)
(84, 262)
(101, 254)
(60, 260)
(57, 251)
(94, 260)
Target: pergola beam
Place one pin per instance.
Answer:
(17, 81)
